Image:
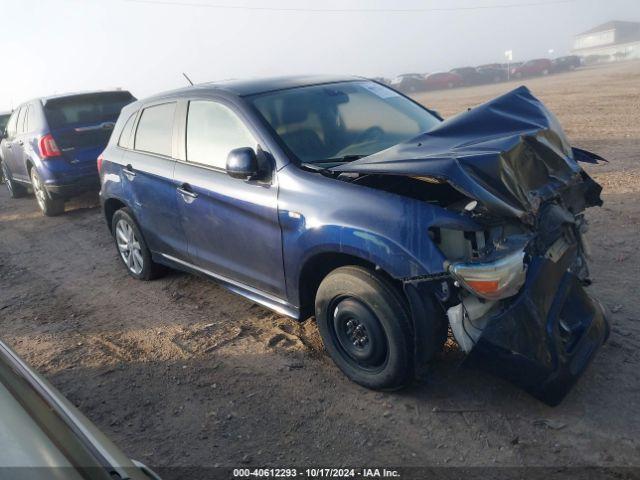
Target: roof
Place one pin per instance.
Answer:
(246, 87)
(262, 85)
(74, 94)
(612, 25)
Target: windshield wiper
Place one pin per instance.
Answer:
(313, 167)
(345, 159)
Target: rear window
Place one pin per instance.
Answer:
(86, 109)
(155, 129)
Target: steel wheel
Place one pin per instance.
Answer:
(129, 247)
(359, 334)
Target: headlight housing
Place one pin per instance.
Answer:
(493, 280)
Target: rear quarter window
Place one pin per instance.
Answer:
(126, 136)
(21, 116)
(155, 129)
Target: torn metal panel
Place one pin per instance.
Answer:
(545, 337)
(510, 154)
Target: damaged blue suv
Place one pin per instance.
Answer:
(342, 199)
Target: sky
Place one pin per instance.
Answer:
(58, 46)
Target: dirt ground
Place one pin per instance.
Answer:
(180, 372)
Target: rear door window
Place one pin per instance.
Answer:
(213, 130)
(155, 129)
(11, 126)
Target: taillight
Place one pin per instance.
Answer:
(48, 147)
(99, 162)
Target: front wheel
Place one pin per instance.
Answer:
(132, 248)
(364, 324)
(49, 205)
(15, 189)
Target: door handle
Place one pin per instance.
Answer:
(185, 191)
(128, 171)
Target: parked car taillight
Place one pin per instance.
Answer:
(99, 162)
(48, 147)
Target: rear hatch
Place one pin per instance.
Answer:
(82, 124)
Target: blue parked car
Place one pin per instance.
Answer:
(51, 145)
(342, 199)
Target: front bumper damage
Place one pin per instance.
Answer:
(542, 339)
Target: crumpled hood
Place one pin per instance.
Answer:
(509, 153)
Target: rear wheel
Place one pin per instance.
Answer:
(132, 248)
(49, 205)
(365, 327)
(15, 189)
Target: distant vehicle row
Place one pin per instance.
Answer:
(483, 74)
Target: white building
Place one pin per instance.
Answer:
(614, 40)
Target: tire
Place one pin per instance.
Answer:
(49, 205)
(365, 326)
(131, 247)
(15, 190)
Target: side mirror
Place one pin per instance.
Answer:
(242, 163)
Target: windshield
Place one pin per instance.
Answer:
(86, 109)
(342, 121)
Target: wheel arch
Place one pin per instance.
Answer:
(109, 207)
(29, 164)
(317, 267)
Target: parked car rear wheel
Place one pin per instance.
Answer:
(365, 327)
(15, 189)
(132, 248)
(49, 205)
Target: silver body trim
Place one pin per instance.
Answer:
(265, 299)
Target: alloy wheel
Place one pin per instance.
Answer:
(38, 190)
(129, 247)
(5, 174)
